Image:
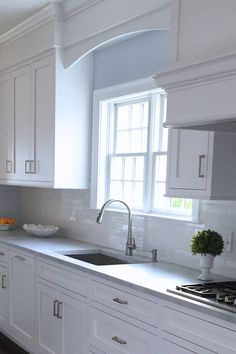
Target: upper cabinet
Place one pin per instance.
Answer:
(201, 165)
(201, 80)
(46, 124)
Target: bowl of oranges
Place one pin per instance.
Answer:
(7, 223)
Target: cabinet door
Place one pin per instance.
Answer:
(22, 298)
(6, 132)
(21, 111)
(49, 327)
(42, 167)
(75, 332)
(3, 298)
(188, 157)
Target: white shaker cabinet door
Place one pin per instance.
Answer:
(49, 327)
(22, 298)
(43, 82)
(61, 322)
(4, 298)
(75, 331)
(21, 113)
(6, 131)
(188, 158)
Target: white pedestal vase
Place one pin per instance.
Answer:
(206, 263)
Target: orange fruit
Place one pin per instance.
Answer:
(4, 221)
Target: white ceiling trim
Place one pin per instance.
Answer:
(46, 14)
(71, 7)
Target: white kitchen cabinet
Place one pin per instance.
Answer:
(6, 132)
(174, 345)
(45, 140)
(20, 106)
(199, 331)
(201, 164)
(115, 336)
(41, 167)
(4, 295)
(22, 298)
(61, 321)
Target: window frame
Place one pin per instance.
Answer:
(116, 93)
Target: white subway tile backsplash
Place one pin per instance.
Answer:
(70, 210)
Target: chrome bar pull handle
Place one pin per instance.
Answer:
(4, 277)
(120, 301)
(27, 166)
(8, 166)
(20, 258)
(119, 340)
(55, 308)
(59, 312)
(32, 164)
(200, 174)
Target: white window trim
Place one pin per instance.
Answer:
(112, 92)
(102, 95)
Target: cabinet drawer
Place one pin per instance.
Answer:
(66, 279)
(115, 336)
(129, 304)
(3, 255)
(173, 345)
(18, 256)
(204, 333)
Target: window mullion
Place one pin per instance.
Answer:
(149, 163)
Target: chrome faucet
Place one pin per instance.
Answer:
(130, 244)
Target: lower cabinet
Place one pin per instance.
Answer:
(4, 295)
(115, 336)
(61, 322)
(22, 299)
(175, 345)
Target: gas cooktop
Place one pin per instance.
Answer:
(220, 294)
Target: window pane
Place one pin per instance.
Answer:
(123, 141)
(116, 168)
(131, 129)
(116, 190)
(127, 184)
(161, 202)
(123, 116)
(161, 161)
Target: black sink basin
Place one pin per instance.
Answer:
(98, 259)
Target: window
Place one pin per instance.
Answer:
(132, 154)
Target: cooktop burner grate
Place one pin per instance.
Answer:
(219, 294)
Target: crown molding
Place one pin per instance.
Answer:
(72, 7)
(48, 13)
(218, 68)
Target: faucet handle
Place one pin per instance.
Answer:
(154, 255)
(133, 243)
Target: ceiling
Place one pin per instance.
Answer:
(13, 12)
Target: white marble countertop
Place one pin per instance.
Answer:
(151, 278)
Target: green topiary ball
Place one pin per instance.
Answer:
(207, 241)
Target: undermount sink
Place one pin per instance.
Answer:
(100, 258)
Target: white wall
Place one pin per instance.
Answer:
(131, 59)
